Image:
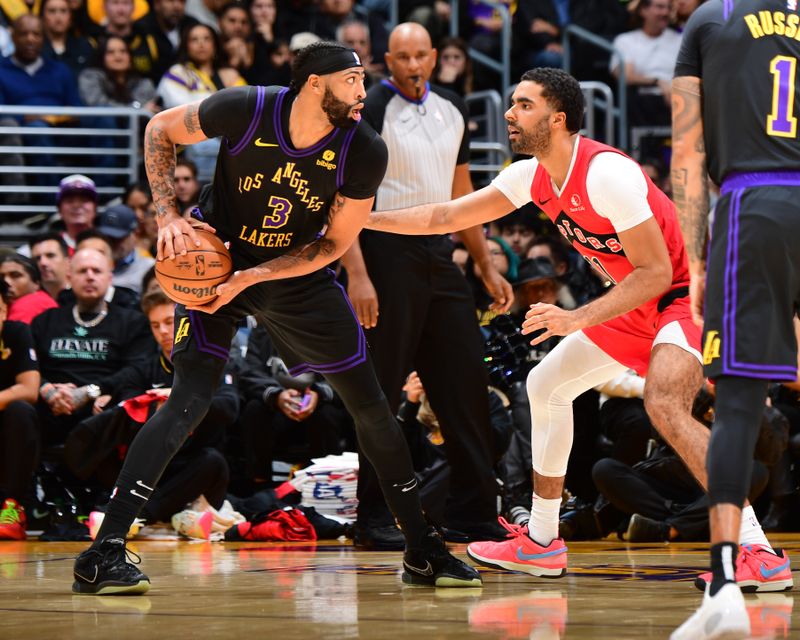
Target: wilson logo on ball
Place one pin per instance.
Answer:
(193, 278)
(197, 292)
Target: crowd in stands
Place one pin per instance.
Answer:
(156, 55)
(86, 333)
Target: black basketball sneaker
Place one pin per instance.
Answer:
(105, 570)
(431, 564)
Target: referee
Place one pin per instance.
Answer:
(416, 305)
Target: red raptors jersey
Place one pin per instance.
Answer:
(596, 240)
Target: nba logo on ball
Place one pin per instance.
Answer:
(193, 278)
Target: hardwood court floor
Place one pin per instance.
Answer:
(330, 591)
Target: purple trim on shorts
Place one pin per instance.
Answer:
(202, 343)
(253, 123)
(735, 181)
(276, 123)
(335, 367)
(730, 366)
(343, 156)
(359, 357)
(727, 9)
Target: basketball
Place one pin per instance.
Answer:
(193, 278)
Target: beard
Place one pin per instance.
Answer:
(338, 111)
(536, 141)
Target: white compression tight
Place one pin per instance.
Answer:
(574, 366)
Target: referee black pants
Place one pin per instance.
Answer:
(428, 323)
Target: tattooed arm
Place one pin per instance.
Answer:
(690, 180)
(179, 125)
(346, 218)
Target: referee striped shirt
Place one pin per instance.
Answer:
(426, 139)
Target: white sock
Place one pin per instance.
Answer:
(543, 525)
(750, 531)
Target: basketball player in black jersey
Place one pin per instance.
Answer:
(295, 180)
(735, 119)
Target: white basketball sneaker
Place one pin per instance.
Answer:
(721, 617)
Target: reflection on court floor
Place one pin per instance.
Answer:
(329, 590)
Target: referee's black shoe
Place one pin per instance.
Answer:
(429, 563)
(105, 570)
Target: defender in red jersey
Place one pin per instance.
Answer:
(610, 211)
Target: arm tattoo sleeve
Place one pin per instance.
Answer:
(689, 173)
(159, 162)
(191, 119)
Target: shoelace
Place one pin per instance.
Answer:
(514, 530)
(115, 553)
(10, 515)
(748, 554)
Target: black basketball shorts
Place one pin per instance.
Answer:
(753, 284)
(309, 318)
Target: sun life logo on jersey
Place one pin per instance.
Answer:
(327, 156)
(575, 200)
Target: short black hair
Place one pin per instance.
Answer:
(185, 162)
(141, 186)
(314, 51)
(562, 92)
(51, 235)
(26, 263)
(558, 248)
(154, 299)
(4, 291)
(517, 218)
(86, 234)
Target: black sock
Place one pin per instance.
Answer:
(723, 565)
(129, 497)
(404, 503)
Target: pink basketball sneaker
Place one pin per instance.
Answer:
(520, 553)
(758, 570)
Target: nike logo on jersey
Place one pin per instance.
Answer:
(264, 144)
(427, 571)
(538, 556)
(768, 573)
(545, 201)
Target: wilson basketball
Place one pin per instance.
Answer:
(193, 278)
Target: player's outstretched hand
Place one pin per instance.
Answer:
(697, 291)
(226, 292)
(176, 236)
(550, 320)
